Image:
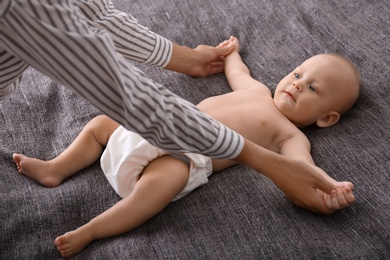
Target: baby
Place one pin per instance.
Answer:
(318, 91)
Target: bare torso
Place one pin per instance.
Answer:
(252, 113)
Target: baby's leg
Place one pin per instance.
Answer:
(84, 151)
(160, 182)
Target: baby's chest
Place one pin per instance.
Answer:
(268, 129)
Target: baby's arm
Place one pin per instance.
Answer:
(298, 147)
(237, 73)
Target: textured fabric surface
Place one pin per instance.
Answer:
(239, 214)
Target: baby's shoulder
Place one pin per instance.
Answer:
(289, 133)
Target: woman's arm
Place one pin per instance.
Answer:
(82, 54)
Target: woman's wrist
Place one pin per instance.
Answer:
(183, 60)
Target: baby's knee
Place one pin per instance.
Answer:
(102, 128)
(100, 119)
(99, 122)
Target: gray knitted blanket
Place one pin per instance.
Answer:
(239, 214)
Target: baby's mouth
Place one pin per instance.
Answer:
(290, 95)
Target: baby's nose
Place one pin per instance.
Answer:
(297, 86)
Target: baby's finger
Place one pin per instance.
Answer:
(342, 201)
(334, 199)
(350, 197)
(223, 44)
(327, 200)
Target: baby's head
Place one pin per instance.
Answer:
(318, 91)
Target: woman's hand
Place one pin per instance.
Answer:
(202, 61)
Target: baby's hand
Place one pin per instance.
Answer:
(231, 41)
(341, 197)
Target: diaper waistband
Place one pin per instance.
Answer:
(181, 157)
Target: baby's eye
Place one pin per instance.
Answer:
(296, 75)
(312, 88)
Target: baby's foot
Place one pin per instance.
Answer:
(72, 242)
(37, 170)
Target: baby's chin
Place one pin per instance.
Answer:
(286, 109)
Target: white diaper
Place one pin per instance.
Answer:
(126, 155)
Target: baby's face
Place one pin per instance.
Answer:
(314, 89)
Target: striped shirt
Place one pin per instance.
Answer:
(84, 46)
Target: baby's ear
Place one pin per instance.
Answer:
(330, 119)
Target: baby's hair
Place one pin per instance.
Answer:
(352, 66)
(357, 79)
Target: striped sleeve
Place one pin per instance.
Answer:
(59, 39)
(11, 70)
(132, 40)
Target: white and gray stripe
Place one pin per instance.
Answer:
(83, 45)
